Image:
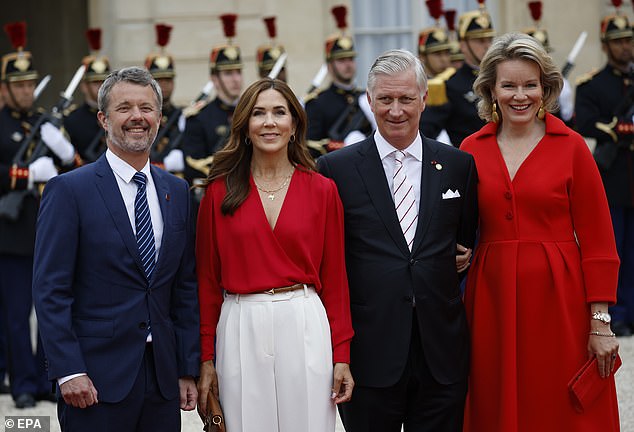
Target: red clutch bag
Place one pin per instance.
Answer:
(587, 384)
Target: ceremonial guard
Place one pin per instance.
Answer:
(455, 55)
(208, 124)
(336, 115)
(24, 165)
(166, 152)
(451, 103)
(433, 43)
(604, 106)
(81, 123)
(566, 97)
(268, 55)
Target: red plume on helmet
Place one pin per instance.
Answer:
(617, 3)
(229, 24)
(17, 34)
(269, 22)
(450, 17)
(162, 34)
(481, 4)
(536, 10)
(340, 12)
(93, 35)
(435, 8)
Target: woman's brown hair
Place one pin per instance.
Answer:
(233, 161)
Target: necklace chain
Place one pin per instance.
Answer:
(271, 193)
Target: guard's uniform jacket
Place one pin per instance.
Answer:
(16, 237)
(324, 109)
(167, 140)
(603, 111)
(457, 111)
(85, 133)
(206, 132)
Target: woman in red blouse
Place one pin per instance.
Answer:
(272, 281)
(546, 267)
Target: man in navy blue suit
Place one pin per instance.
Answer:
(116, 294)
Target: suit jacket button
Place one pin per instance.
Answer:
(142, 325)
(412, 261)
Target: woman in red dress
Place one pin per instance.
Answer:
(272, 281)
(545, 269)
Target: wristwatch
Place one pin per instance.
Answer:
(604, 317)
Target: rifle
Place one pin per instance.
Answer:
(277, 67)
(40, 87)
(204, 93)
(33, 140)
(349, 120)
(92, 152)
(570, 60)
(33, 147)
(318, 79)
(159, 154)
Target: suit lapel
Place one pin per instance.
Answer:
(429, 190)
(371, 171)
(109, 190)
(163, 194)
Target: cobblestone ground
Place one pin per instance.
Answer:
(191, 422)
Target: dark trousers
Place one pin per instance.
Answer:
(142, 410)
(623, 223)
(26, 369)
(417, 401)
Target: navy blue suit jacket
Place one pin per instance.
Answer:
(385, 277)
(92, 298)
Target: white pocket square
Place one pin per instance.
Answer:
(451, 194)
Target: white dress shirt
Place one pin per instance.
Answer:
(413, 163)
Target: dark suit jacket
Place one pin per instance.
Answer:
(384, 275)
(92, 298)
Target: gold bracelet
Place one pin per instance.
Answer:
(596, 333)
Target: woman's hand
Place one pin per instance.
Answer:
(605, 350)
(463, 257)
(208, 380)
(342, 384)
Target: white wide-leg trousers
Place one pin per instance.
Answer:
(274, 363)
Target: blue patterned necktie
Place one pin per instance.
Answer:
(143, 222)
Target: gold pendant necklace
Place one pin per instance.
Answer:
(271, 193)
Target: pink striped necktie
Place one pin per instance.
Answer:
(404, 200)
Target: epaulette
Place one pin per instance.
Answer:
(582, 79)
(40, 110)
(194, 109)
(437, 88)
(313, 95)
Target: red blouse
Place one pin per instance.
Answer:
(240, 253)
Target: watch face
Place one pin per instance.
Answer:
(604, 317)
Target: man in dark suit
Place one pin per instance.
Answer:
(408, 202)
(114, 283)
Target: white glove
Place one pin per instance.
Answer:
(41, 170)
(353, 137)
(566, 101)
(57, 142)
(174, 161)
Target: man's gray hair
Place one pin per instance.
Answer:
(395, 61)
(133, 75)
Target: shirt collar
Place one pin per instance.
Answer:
(385, 149)
(124, 170)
